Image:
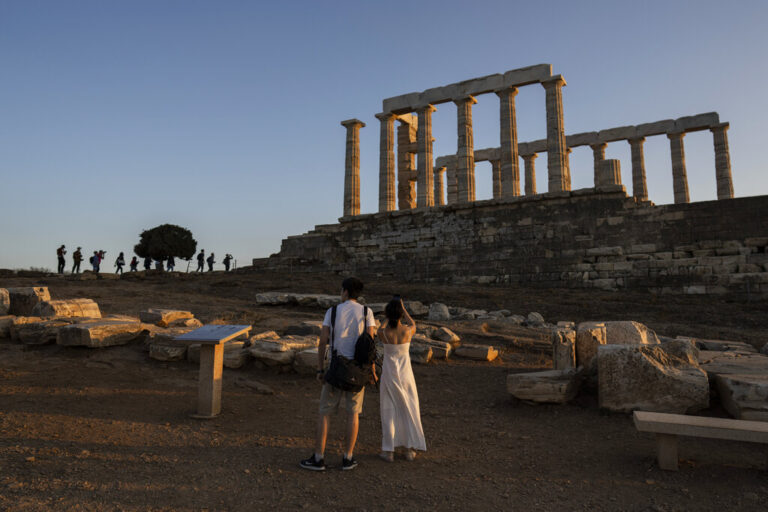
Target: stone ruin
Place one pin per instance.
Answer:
(430, 227)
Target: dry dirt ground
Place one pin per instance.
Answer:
(108, 429)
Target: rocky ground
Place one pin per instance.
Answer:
(108, 429)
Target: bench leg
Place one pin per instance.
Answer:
(209, 390)
(666, 451)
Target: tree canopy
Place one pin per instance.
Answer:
(164, 241)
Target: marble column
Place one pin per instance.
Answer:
(352, 167)
(559, 176)
(498, 178)
(598, 154)
(610, 172)
(465, 152)
(679, 176)
(450, 178)
(439, 186)
(510, 164)
(387, 162)
(424, 193)
(406, 162)
(722, 161)
(639, 184)
(530, 174)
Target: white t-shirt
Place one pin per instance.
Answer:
(349, 326)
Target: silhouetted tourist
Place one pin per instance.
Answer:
(201, 260)
(99, 258)
(119, 263)
(77, 257)
(94, 261)
(170, 264)
(60, 252)
(147, 263)
(134, 264)
(159, 265)
(210, 261)
(226, 261)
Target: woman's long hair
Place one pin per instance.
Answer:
(393, 312)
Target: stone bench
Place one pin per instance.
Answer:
(668, 426)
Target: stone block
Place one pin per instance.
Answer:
(553, 386)
(447, 335)
(67, 308)
(163, 317)
(305, 361)
(167, 351)
(24, 300)
(732, 362)
(745, 397)
(563, 348)
(534, 319)
(605, 251)
(589, 336)
(40, 333)
(308, 327)
(5, 302)
(416, 308)
(17, 322)
(656, 378)
(697, 122)
(438, 312)
(420, 353)
(477, 352)
(628, 333)
(6, 321)
(103, 333)
(272, 358)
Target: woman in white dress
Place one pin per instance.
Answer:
(400, 416)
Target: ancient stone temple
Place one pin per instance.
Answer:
(430, 227)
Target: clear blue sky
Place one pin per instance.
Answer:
(223, 116)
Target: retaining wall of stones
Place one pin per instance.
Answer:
(589, 238)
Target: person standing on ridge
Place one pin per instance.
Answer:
(147, 263)
(77, 257)
(210, 261)
(226, 261)
(201, 260)
(60, 252)
(119, 262)
(170, 264)
(134, 264)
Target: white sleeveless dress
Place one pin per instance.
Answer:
(400, 416)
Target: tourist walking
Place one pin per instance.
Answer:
(99, 258)
(227, 260)
(77, 257)
(211, 260)
(119, 263)
(350, 322)
(134, 264)
(147, 263)
(400, 415)
(201, 260)
(60, 252)
(170, 264)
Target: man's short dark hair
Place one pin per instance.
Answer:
(353, 286)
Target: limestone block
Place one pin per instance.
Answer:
(745, 397)
(5, 302)
(440, 349)
(534, 318)
(416, 308)
(656, 378)
(163, 317)
(720, 345)
(420, 353)
(40, 333)
(6, 321)
(17, 322)
(161, 335)
(563, 348)
(447, 335)
(24, 300)
(553, 386)
(438, 312)
(308, 327)
(477, 352)
(266, 335)
(232, 354)
(186, 322)
(697, 122)
(272, 358)
(589, 336)
(656, 128)
(763, 350)
(605, 251)
(168, 351)
(286, 343)
(67, 308)
(732, 362)
(237, 357)
(628, 333)
(305, 361)
(103, 333)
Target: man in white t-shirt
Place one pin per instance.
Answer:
(349, 325)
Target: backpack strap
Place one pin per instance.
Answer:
(333, 327)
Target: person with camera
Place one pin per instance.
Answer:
(343, 325)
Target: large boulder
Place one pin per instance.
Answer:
(534, 319)
(163, 317)
(6, 321)
(589, 336)
(628, 333)
(438, 312)
(24, 300)
(104, 333)
(657, 378)
(447, 335)
(563, 348)
(477, 352)
(17, 322)
(420, 354)
(552, 386)
(745, 397)
(40, 333)
(85, 308)
(5, 302)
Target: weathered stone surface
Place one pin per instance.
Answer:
(447, 335)
(163, 317)
(589, 335)
(272, 358)
(563, 348)
(656, 378)
(5, 302)
(720, 345)
(477, 352)
(6, 321)
(286, 343)
(308, 327)
(266, 335)
(305, 361)
(168, 351)
(440, 349)
(416, 308)
(553, 386)
(420, 353)
(186, 322)
(304, 299)
(86, 308)
(24, 300)
(233, 357)
(764, 350)
(40, 333)
(104, 333)
(438, 312)
(535, 318)
(745, 397)
(732, 362)
(17, 322)
(628, 333)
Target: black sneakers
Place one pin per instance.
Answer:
(314, 465)
(348, 464)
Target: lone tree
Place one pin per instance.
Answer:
(164, 241)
